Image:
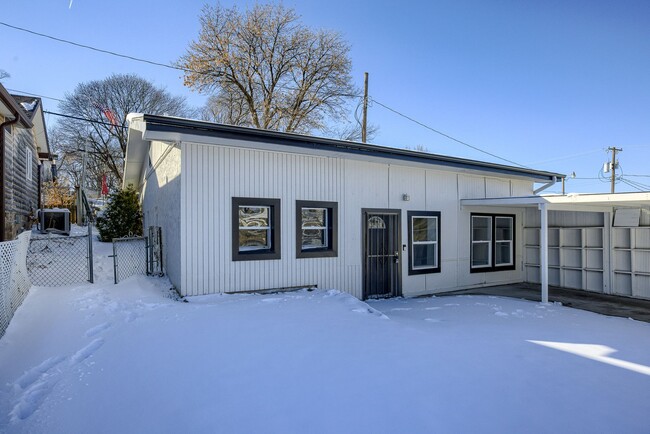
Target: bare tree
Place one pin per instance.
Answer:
(267, 70)
(4, 74)
(97, 113)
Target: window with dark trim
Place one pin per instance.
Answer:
(492, 242)
(316, 229)
(255, 229)
(424, 242)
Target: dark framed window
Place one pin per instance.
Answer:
(316, 229)
(424, 242)
(492, 242)
(255, 229)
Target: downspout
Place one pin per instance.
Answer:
(38, 187)
(2, 172)
(545, 186)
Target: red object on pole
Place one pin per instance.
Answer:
(104, 185)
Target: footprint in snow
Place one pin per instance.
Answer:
(130, 316)
(35, 384)
(86, 351)
(93, 331)
(30, 376)
(32, 387)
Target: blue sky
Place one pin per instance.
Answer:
(549, 84)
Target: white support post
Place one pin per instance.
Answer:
(543, 251)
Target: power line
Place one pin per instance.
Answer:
(446, 135)
(83, 119)
(139, 59)
(566, 157)
(34, 94)
(88, 47)
(639, 187)
(635, 183)
(177, 68)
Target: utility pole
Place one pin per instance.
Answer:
(364, 120)
(614, 164)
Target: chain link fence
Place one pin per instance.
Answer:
(130, 257)
(56, 260)
(138, 255)
(14, 281)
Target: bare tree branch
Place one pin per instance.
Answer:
(107, 102)
(267, 70)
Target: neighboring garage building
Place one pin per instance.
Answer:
(244, 209)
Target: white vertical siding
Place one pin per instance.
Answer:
(214, 174)
(442, 195)
(497, 187)
(161, 204)
(521, 188)
(471, 187)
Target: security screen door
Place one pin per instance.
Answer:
(381, 253)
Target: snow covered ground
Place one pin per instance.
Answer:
(129, 358)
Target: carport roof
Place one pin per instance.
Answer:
(573, 202)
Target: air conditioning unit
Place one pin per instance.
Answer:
(55, 220)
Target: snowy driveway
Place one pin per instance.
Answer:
(124, 358)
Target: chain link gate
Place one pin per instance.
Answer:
(138, 255)
(155, 263)
(55, 260)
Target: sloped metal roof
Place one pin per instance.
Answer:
(166, 128)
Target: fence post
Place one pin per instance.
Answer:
(160, 250)
(91, 273)
(114, 261)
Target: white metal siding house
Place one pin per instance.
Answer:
(244, 209)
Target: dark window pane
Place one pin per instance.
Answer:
(503, 229)
(480, 254)
(424, 256)
(481, 229)
(503, 254)
(425, 229)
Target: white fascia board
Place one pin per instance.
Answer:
(137, 150)
(571, 202)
